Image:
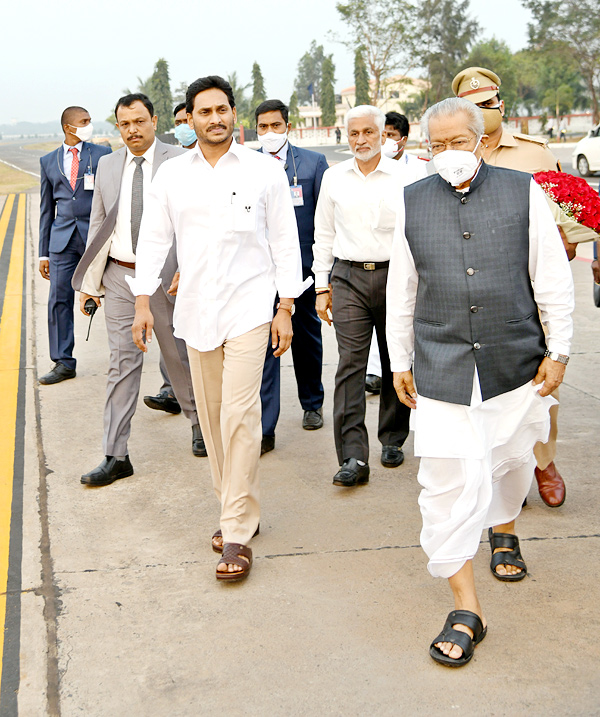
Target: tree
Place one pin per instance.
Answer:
(328, 114)
(384, 28)
(361, 78)
(575, 23)
(179, 93)
(241, 101)
(294, 114)
(496, 55)
(308, 79)
(259, 94)
(445, 34)
(159, 91)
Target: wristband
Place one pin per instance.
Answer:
(286, 307)
(321, 291)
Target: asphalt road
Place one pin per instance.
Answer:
(17, 153)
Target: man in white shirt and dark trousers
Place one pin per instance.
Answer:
(237, 246)
(354, 226)
(476, 254)
(412, 169)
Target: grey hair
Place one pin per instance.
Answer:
(450, 107)
(366, 111)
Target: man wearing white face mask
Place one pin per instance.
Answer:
(66, 188)
(304, 170)
(527, 154)
(476, 262)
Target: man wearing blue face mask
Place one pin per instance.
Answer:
(66, 189)
(165, 399)
(476, 263)
(184, 134)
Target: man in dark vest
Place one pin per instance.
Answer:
(475, 256)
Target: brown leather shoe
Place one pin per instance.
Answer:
(551, 486)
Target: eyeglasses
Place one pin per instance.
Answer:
(460, 143)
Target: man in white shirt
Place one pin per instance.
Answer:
(476, 255)
(412, 168)
(354, 226)
(237, 245)
(122, 185)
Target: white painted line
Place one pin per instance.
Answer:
(14, 166)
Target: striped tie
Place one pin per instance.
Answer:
(74, 167)
(137, 201)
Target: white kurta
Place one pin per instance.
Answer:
(477, 461)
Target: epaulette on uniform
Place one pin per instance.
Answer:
(528, 138)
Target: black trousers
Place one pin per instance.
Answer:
(359, 303)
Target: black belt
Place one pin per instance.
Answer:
(366, 265)
(126, 264)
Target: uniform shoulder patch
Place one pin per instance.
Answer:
(528, 138)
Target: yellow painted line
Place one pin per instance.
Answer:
(10, 351)
(4, 219)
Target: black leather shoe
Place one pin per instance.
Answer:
(312, 420)
(108, 471)
(59, 372)
(351, 473)
(198, 447)
(267, 444)
(163, 402)
(372, 383)
(392, 456)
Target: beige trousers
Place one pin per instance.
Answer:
(545, 453)
(227, 389)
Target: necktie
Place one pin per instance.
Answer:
(137, 201)
(74, 167)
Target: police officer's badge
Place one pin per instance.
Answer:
(474, 83)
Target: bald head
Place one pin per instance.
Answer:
(71, 115)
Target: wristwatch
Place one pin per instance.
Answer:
(554, 356)
(286, 307)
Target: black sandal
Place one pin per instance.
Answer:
(462, 639)
(509, 557)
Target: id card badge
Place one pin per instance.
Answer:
(88, 181)
(297, 198)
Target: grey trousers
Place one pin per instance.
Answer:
(359, 301)
(166, 385)
(126, 360)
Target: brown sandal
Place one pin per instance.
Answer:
(218, 548)
(235, 554)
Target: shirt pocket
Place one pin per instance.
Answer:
(244, 213)
(385, 217)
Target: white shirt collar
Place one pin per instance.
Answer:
(148, 154)
(67, 147)
(233, 151)
(385, 165)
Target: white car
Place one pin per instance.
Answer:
(586, 155)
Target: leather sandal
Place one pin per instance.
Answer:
(510, 557)
(462, 639)
(235, 554)
(218, 547)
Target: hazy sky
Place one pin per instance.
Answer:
(51, 57)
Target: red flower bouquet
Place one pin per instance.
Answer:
(575, 205)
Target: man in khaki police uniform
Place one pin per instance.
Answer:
(527, 154)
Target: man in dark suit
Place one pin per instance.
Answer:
(304, 170)
(66, 189)
(109, 260)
